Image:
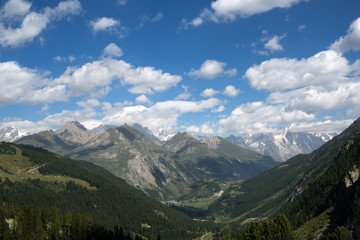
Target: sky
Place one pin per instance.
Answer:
(207, 67)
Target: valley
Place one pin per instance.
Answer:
(209, 179)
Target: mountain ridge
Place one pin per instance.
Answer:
(157, 170)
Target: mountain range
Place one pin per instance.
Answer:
(281, 145)
(165, 171)
(317, 192)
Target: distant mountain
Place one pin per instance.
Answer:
(33, 175)
(127, 153)
(10, 134)
(164, 172)
(101, 128)
(61, 141)
(219, 158)
(281, 146)
(74, 132)
(215, 147)
(274, 190)
(164, 133)
(146, 131)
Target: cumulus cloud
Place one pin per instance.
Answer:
(24, 85)
(33, 23)
(104, 24)
(229, 10)
(260, 117)
(351, 41)
(185, 95)
(209, 92)
(211, 69)
(315, 99)
(161, 114)
(142, 99)
(273, 44)
(96, 77)
(325, 68)
(112, 50)
(15, 8)
(231, 91)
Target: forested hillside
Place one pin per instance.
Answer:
(34, 176)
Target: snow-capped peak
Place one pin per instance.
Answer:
(164, 133)
(10, 134)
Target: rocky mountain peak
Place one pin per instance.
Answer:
(74, 132)
(212, 141)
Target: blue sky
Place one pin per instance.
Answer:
(207, 67)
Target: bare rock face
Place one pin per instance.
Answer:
(212, 142)
(74, 132)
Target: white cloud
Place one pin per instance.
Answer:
(70, 58)
(33, 23)
(274, 44)
(301, 27)
(327, 126)
(112, 50)
(351, 41)
(158, 115)
(96, 78)
(185, 95)
(91, 103)
(192, 129)
(104, 24)
(229, 10)
(325, 68)
(24, 85)
(15, 8)
(122, 2)
(260, 117)
(157, 17)
(207, 128)
(315, 99)
(144, 19)
(142, 99)
(219, 109)
(211, 69)
(231, 91)
(209, 92)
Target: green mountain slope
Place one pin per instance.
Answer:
(50, 141)
(33, 175)
(332, 199)
(274, 190)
